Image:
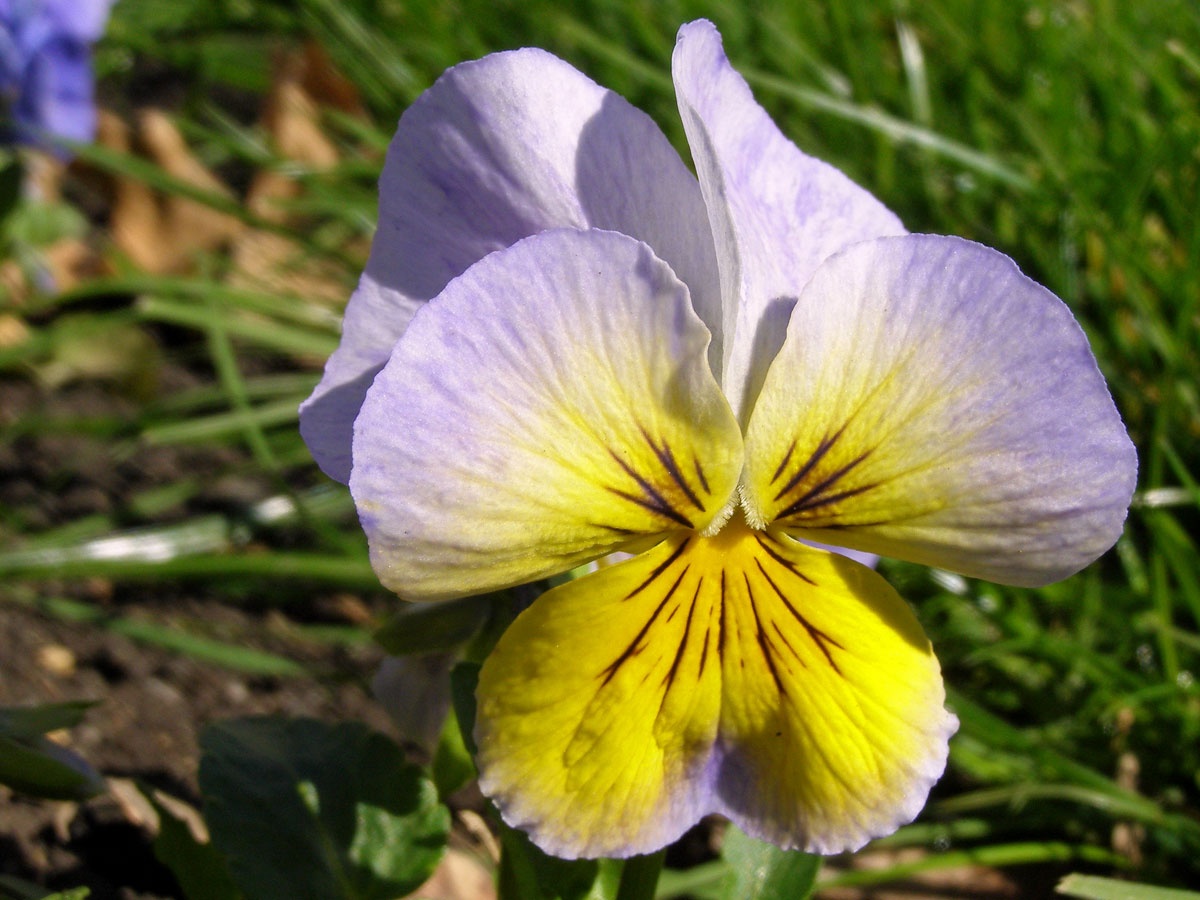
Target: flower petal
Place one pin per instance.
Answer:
(56, 99)
(499, 149)
(598, 708)
(786, 687)
(82, 20)
(931, 403)
(776, 213)
(833, 728)
(552, 404)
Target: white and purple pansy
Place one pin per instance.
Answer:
(565, 344)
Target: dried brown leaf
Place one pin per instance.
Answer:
(162, 234)
(459, 876)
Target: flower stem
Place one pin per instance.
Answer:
(639, 878)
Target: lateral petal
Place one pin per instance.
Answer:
(776, 213)
(554, 403)
(498, 149)
(933, 404)
(743, 673)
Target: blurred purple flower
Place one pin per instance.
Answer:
(46, 68)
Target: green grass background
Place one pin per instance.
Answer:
(1066, 134)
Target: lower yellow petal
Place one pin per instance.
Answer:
(786, 687)
(833, 728)
(599, 706)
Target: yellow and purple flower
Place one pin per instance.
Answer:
(565, 344)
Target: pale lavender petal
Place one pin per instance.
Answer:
(870, 560)
(415, 692)
(499, 149)
(776, 213)
(933, 404)
(553, 404)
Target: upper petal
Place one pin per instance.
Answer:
(931, 403)
(776, 213)
(552, 404)
(498, 149)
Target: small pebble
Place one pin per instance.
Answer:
(57, 660)
(237, 693)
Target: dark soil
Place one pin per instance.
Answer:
(152, 702)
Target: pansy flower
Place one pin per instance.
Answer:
(46, 68)
(565, 344)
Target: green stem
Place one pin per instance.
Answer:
(639, 877)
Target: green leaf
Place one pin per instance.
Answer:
(201, 870)
(761, 871)
(452, 765)
(79, 893)
(463, 679)
(1091, 887)
(41, 768)
(93, 346)
(527, 873)
(304, 810)
(40, 224)
(639, 876)
(27, 722)
(420, 628)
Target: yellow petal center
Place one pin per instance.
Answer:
(740, 673)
